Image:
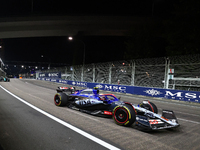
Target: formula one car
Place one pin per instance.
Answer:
(5, 79)
(143, 115)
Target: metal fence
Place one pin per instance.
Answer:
(186, 72)
(2, 73)
(153, 72)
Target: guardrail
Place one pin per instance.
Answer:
(189, 96)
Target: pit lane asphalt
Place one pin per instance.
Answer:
(41, 93)
(24, 128)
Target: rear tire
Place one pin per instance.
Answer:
(60, 99)
(124, 115)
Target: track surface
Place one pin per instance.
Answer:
(24, 128)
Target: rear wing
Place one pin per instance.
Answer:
(66, 89)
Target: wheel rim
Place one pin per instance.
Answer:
(121, 115)
(57, 100)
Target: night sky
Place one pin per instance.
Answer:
(171, 19)
(86, 7)
(61, 50)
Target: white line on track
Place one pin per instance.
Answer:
(85, 134)
(183, 113)
(189, 121)
(188, 114)
(72, 111)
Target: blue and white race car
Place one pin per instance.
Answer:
(144, 115)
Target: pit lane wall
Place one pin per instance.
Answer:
(189, 96)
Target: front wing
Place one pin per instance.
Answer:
(152, 121)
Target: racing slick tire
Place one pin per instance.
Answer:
(150, 106)
(124, 115)
(154, 107)
(60, 99)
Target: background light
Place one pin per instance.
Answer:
(70, 38)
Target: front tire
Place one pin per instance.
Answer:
(124, 115)
(60, 99)
(149, 106)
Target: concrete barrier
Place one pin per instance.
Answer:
(189, 96)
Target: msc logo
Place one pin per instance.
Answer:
(64, 81)
(42, 75)
(175, 94)
(182, 94)
(53, 74)
(80, 83)
(115, 88)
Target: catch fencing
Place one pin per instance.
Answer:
(181, 72)
(2, 72)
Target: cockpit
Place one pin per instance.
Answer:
(108, 97)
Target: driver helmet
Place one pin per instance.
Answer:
(97, 90)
